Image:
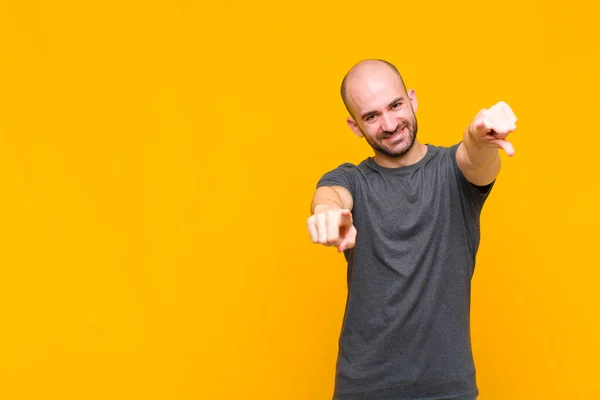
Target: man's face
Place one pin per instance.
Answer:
(384, 114)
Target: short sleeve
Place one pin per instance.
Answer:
(473, 194)
(342, 176)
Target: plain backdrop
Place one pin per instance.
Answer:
(157, 162)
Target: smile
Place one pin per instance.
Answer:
(395, 135)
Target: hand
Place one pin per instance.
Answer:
(491, 127)
(332, 227)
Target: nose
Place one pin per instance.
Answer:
(389, 123)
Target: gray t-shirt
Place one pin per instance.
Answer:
(406, 331)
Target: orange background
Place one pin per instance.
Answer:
(157, 161)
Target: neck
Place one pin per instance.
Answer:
(414, 155)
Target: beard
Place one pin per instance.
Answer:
(398, 148)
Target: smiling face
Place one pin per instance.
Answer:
(383, 112)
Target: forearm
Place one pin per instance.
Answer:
(479, 162)
(326, 197)
(478, 153)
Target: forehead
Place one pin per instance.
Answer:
(375, 91)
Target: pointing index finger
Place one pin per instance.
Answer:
(346, 218)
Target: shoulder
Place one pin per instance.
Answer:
(347, 166)
(443, 150)
(476, 195)
(350, 167)
(442, 155)
(345, 174)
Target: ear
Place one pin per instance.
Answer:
(412, 97)
(354, 126)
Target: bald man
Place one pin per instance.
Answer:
(407, 221)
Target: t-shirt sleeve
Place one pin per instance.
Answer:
(342, 176)
(474, 195)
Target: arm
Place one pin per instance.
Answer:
(331, 221)
(479, 164)
(334, 197)
(477, 156)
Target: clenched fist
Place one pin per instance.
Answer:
(492, 126)
(332, 227)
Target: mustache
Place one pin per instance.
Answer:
(399, 127)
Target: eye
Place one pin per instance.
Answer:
(370, 117)
(396, 105)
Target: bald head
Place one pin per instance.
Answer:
(361, 73)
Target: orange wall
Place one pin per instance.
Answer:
(157, 160)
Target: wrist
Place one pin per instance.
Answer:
(478, 150)
(325, 206)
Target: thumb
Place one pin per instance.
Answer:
(506, 146)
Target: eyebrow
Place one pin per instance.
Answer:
(396, 100)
